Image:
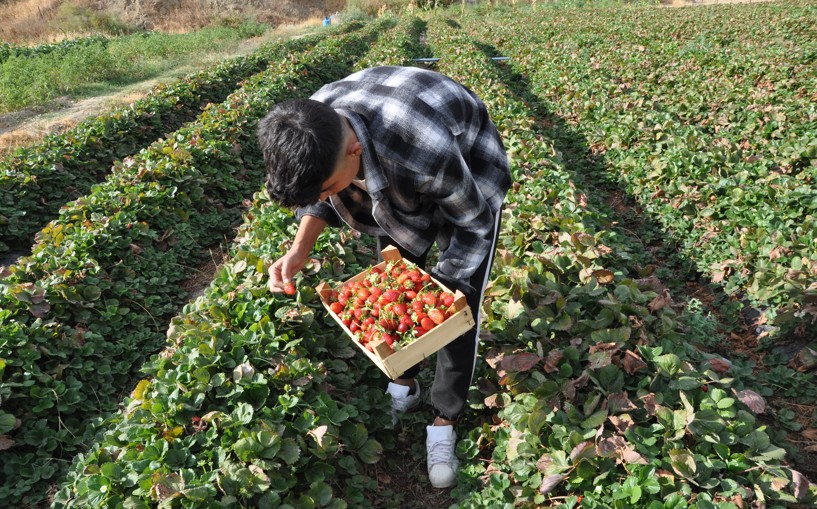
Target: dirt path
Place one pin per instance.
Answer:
(31, 125)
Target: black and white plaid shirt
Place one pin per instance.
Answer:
(433, 162)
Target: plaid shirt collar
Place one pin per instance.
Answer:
(372, 172)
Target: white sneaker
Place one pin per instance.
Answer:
(442, 462)
(401, 400)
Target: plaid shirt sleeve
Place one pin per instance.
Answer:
(322, 209)
(468, 220)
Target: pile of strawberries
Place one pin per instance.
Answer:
(396, 304)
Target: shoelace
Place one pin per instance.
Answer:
(441, 451)
(400, 404)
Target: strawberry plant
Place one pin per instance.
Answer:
(400, 48)
(584, 356)
(256, 414)
(82, 312)
(710, 130)
(35, 182)
(590, 391)
(12, 50)
(276, 409)
(272, 411)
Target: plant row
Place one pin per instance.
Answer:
(256, 401)
(592, 391)
(36, 79)
(592, 395)
(401, 48)
(81, 314)
(35, 182)
(12, 50)
(711, 130)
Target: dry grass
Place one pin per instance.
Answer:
(27, 20)
(37, 21)
(11, 141)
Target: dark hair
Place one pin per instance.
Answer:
(300, 140)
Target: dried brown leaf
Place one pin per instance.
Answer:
(753, 400)
(622, 423)
(493, 401)
(494, 357)
(801, 485)
(521, 362)
(604, 276)
(809, 434)
(610, 446)
(582, 450)
(720, 365)
(619, 402)
(661, 301)
(550, 482)
(544, 463)
(632, 457)
(5, 443)
(650, 404)
(39, 310)
(318, 433)
(582, 380)
(611, 347)
(553, 360)
(633, 363)
(778, 483)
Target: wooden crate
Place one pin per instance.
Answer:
(395, 363)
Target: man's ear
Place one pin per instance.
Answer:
(354, 148)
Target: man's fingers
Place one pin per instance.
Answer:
(288, 270)
(276, 282)
(281, 272)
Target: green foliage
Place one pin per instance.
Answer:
(8, 50)
(399, 47)
(31, 79)
(593, 391)
(272, 404)
(703, 327)
(92, 301)
(710, 129)
(596, 390)
(35, 182)
(276, 408)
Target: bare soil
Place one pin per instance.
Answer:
(202, 275)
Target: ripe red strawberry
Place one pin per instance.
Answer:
(446, 299)
(436, 316)
(396, 303)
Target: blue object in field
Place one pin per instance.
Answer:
(326, 21)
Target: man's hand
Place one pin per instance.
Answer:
(284, 269)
